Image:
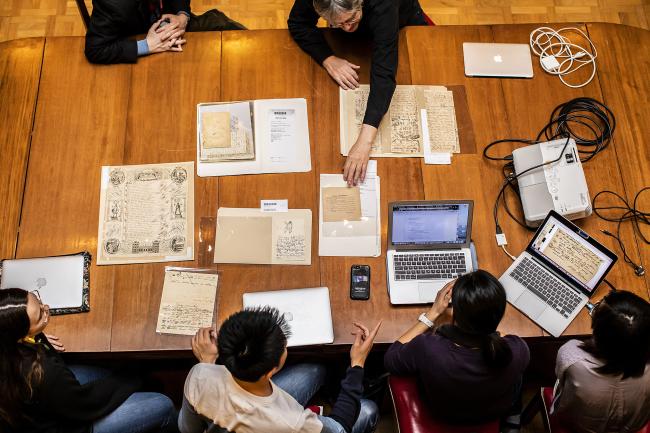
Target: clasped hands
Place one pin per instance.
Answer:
(168, 37)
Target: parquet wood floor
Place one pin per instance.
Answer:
(26, 18)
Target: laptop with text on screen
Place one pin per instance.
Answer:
(428, 245)
(553, 279)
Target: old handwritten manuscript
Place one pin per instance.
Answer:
(187, 301)
(400, 131)
(256, 237)
(146, 213)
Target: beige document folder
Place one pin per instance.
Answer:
(255, 237)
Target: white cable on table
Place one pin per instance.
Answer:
(559, 56)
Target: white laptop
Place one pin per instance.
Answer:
(428, 245)
(497, 60)
(307, 312)
(553, 279)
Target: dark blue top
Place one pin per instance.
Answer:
(454, 380)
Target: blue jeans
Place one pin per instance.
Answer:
(302, 381)
(142, 412)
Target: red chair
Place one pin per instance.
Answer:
(554, 423)
(413, 416)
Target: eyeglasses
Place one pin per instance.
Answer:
(38, 296)
(350, 21)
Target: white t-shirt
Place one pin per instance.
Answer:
(212, 393)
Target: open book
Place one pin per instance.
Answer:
(401, 132)
(252, 137)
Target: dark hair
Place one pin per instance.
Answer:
(621, 334)
(252, 341)
(20, 370)
(479, 302)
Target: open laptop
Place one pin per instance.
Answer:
(307, 312)
(497, 60)
(428, 245)
(553, 279)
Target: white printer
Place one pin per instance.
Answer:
(560, 186)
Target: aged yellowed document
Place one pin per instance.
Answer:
(570, 255)
(341, 204)
(146, 213)
(215, 129)
(187, 302)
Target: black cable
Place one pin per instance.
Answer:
(625, 212)
(571, 119)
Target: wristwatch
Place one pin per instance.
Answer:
(424, 319)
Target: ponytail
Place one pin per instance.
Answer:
(496, 351)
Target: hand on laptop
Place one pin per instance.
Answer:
(442, 301)
(204, 345)
(362, 344)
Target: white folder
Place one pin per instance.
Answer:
(286, 151)
(352, 238)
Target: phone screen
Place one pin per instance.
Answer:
(360, 282)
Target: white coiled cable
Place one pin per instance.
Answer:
(559, 56)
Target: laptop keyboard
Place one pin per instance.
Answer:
(550, 290)
(429, 266)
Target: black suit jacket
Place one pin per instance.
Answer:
(114, 22)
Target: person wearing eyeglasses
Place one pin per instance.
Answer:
(379, 20)
(603, 383)
(39, 393)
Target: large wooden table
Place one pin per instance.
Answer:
(62, 119)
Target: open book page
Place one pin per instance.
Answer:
(239, 145)
(441, 119)
(404, 116)
(187, 302)
(146, 213)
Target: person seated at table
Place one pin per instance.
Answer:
(113, 23)
(239, 395)
(467, 372)
(39, 393)
(380, 20)
(603, 384)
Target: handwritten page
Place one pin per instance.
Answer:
(404, 123)
(288, 239)
(215, 129)
(355, 108)
(441, 118)
(571, 256)
(341, 204)
(240, 140)
(146, 213)
(187, 302)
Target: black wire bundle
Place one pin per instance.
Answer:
(621, 213)
(589, 122)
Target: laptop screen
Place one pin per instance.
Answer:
(572, 252)
(425, 224)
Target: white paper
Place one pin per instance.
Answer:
(431, 157)
(282, 135)
(274, 206)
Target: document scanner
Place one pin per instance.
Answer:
(559, 186)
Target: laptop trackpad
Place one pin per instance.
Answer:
(427, 291)
(531, 304)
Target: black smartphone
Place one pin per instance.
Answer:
(360, 282)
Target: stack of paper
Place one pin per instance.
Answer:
(349, 220)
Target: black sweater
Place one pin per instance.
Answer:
(61, 404)
(113, 22)
(381, 21)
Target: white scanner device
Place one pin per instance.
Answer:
(560, 186)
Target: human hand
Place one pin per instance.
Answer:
(442, 301)
(356, 164)
(363, 342)
(180, 19)
(55, 342)
(166, 38)
(342, 71)
(204, 345)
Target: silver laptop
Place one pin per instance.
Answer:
(553, 279)
(428, 245)
(307, 311)
(497, 60)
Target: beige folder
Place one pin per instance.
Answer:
(255, 237)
